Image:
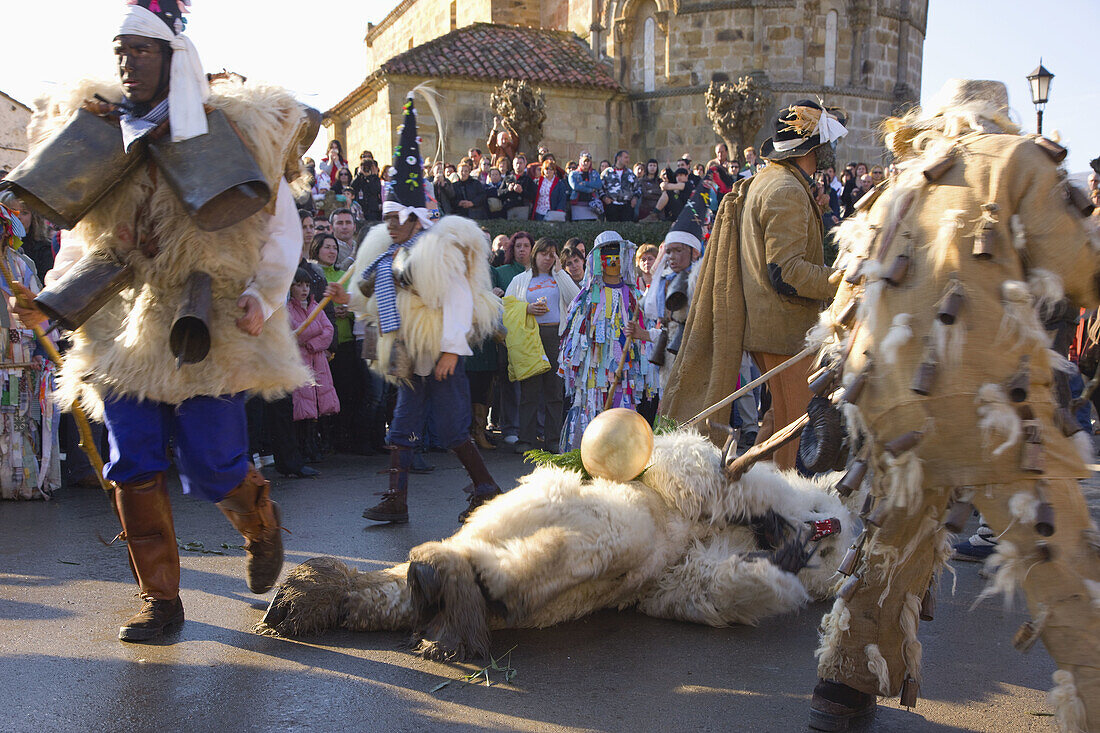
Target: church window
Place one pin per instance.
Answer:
(649, 44)
(830, 48)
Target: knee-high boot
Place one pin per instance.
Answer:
(393, 507)
(146, 516)
(484, 487)
(249, 508)
(481, 415)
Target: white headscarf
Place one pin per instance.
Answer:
(188, 88)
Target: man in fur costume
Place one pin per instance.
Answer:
(596, 335)
(763, 279)
(121, 366)
(682, 542)
(426, 284)
(951, 401)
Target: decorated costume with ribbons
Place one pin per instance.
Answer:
(954, 400)
(593, 342)
(30, 458)
(424, 297)
(184, 258)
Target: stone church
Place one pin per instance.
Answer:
(632, 73)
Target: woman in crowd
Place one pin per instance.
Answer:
(330, 165)
(342, 196)
(650, 183)
(572, 259)
(548, 290)
(367, 190)
(552, 197)
(311, 401)
(643, 265)
(517, 256)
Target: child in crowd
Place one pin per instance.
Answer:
(311, 401)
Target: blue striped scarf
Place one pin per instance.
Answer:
(385, 292)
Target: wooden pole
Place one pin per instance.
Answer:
(622, 363)
(321, 306)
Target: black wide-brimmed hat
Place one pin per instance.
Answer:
(801, 127)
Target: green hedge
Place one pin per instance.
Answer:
(586, 231)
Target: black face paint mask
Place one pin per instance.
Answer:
(826, 157)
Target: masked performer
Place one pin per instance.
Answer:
(952, 401)
(595, 339)
(763, 280)
(427, 285)
(126, 364)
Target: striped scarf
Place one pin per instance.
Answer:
(385, 292)
(135, 128)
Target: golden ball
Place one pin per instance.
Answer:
(617, 445)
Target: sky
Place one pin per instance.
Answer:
(322, 57)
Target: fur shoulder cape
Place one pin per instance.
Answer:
(453, 244)
(123, 349)
(709, 360)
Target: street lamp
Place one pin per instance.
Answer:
(1040, 92)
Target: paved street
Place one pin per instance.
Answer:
(63, 595)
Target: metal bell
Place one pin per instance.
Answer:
(928, 603)
(848, 589)
(821, 380)
(852, 478)
(1025, 637)
(849, 313)
(855, 389)
(1044, 513)
(1056, 152)
(850, 562)
(401, 363)
(214, 175)
(910, 691)
(1044, 550)
(1078, 199)
(878, 514)
(88, 286)
(64, 177)
(868, 502)
(958, 514)
(370, 343)
(924, 377)
(947, 310)
(854, 273)
(898, 271)
(936, 170)
(1031, 459)
(985, 243)
(904, 442)
(1018, 384)
(1067, 422)
(189, 338)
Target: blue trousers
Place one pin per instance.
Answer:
(447, 403)
(210, 435)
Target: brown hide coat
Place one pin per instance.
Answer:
(1038, 239)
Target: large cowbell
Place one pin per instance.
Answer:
(88, 286)
(66, 176)
(214, 175)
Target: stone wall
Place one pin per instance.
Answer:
(14, 118)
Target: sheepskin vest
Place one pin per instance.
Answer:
(452, 245)
(975, 425)
(123, 349)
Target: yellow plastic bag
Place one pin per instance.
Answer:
(526, 357)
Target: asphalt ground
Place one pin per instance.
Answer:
(63, 595)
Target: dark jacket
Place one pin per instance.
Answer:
(511, 199)
(469, 190)
(367, 191)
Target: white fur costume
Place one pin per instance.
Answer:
(557, 548)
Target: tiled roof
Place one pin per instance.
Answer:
(490, 51)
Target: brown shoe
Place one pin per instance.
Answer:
(481, 415)
(250, 509)
(835, 705)
(156, 617)
(393, 507)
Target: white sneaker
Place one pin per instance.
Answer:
(256, 461)
(511, 439)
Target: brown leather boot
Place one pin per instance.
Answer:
(393, 507)
(481, 415)
(835, 705)
(146, 516)
(484, 487)
(250, 509)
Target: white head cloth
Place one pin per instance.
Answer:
(188, 88)
(404, 212)
(828, 129)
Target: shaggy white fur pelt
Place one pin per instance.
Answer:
(681, 543)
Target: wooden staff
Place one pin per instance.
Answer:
(622, 362)
(321, 306)
(751, 385)
(87, 442)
